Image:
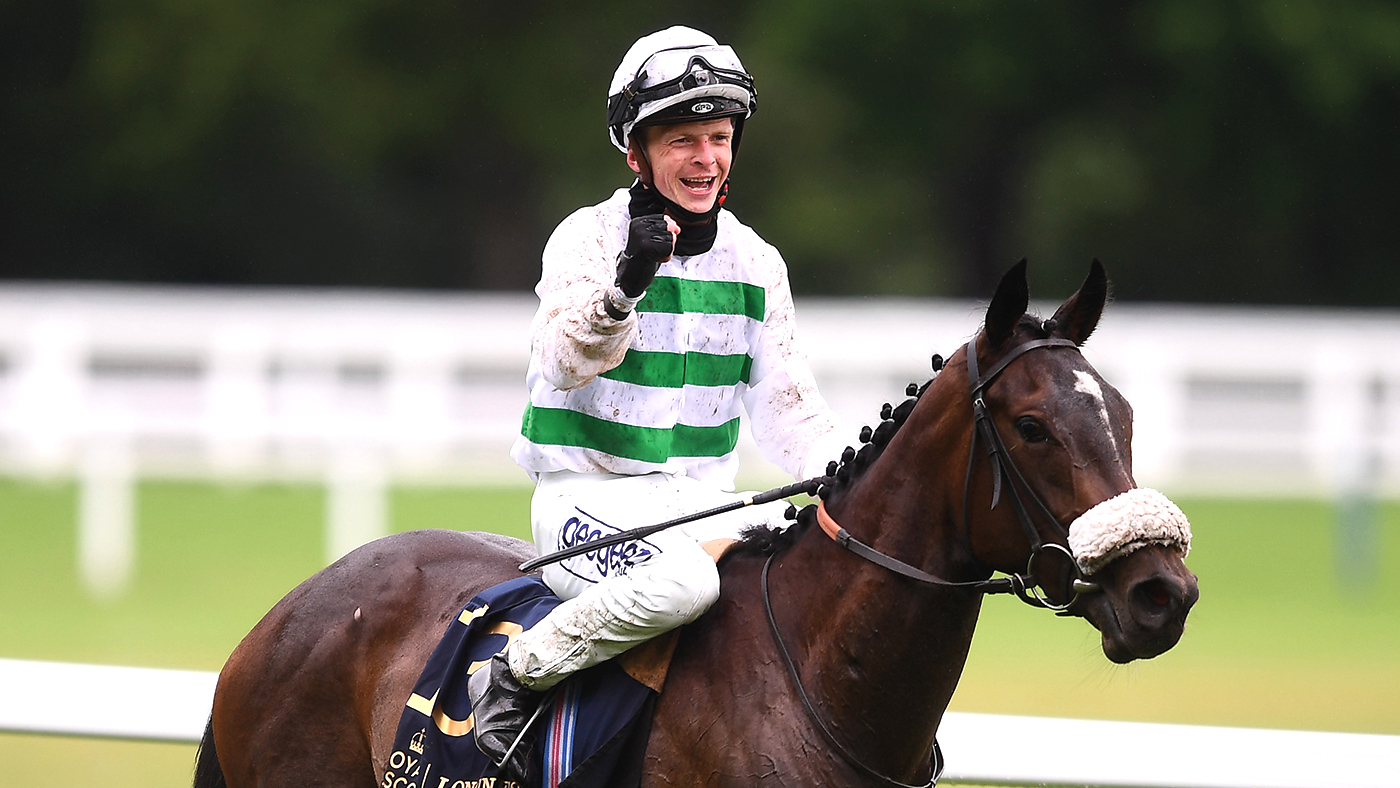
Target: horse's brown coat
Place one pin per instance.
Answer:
(312, 696)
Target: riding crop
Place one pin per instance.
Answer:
(808, 486)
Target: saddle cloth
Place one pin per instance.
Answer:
(592, 732)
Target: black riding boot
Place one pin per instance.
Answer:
(501, 707)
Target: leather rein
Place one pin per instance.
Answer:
(1023, 586)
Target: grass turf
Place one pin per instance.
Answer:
(1277, 640)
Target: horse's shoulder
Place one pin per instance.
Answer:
(738, 601)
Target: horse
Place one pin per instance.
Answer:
(834, 648)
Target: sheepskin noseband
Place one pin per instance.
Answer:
(1124, 523)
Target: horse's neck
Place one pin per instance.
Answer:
(884, 653)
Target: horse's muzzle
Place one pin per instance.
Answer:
(1145, 599)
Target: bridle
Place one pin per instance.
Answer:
(1025, 586)
(984, 427)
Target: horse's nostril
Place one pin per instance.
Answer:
(1158, 595)
(1154, 597)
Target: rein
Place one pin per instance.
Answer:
(843, 538)
(935, 758)
(1024, 586)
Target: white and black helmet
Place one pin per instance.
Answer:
(677, 75)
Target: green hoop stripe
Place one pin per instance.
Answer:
(555, 426)
(678, 296)
(673, 370)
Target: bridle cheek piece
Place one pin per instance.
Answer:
(985, 430)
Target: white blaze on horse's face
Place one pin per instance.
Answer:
(1085, 383)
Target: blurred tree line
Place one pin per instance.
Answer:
(1206, 150)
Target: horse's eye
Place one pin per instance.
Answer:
(1032, 431)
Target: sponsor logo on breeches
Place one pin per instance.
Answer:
(608, 561)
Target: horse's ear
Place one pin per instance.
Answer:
(1077, 318)
(1009, 303)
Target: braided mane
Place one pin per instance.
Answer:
(840, 474)
(854, 463)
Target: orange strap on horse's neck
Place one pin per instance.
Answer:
(832, 528)
(843, 538)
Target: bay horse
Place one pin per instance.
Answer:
(816, 666)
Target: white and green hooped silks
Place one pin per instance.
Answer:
(663, 391)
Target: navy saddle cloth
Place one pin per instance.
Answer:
(592, 732)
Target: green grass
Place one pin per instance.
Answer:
(211, 560)
(1276, 641)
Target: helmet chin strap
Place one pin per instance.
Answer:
(639, 152)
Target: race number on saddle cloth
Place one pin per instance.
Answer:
(592, 733)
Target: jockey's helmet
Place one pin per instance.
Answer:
(678, 75)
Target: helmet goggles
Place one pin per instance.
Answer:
(673, 76)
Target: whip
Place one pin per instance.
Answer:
(809, 487)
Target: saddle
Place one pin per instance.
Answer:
(593, 727)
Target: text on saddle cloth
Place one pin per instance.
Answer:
(585, 735)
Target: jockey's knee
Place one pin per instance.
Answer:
(674, 588)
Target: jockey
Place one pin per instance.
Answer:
(661, 317)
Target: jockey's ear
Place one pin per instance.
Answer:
(1008, 304)
(637, 157)
(1077, 317)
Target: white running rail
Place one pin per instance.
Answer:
(361, 390)
(172, 705)
(107, 701)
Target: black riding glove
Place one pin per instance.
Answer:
(649, 244)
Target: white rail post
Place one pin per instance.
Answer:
(356, 505)
(1356, 536)
(1343, 416)
(106, 516)
(53, 425)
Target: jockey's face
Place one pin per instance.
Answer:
(689, 161)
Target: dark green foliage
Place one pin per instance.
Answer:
(1230, 151)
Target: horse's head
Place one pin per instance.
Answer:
(1063, 435)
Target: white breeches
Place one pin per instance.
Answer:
(619, 597)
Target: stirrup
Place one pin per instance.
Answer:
(520, 765)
